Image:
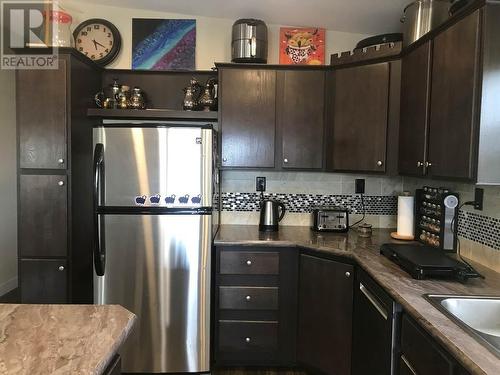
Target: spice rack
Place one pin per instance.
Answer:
(436, 211)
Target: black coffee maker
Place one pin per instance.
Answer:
(270, 215)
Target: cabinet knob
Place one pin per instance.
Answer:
(380, 163)
(61, 268)
(61, 183)
(249, 262)
(285, 160)
(248, 298)
(428, 164)
(224, 159)
(60, 161)
(347, 274)
(247, 339)
(420, 164)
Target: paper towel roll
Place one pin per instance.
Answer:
(406, 214)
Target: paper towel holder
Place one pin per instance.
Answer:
(401, 237)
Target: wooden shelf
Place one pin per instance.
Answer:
(156, 114)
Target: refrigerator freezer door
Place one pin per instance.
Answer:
(157, 166)
(158, 267)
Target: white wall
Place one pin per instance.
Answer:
(8, 191)
(213, 35)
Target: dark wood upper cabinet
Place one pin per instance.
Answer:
(359, 117)
(41, 117)
(325, 315)
(247, 116)
(43, 216)
(453, 122)
(415, 90)
(300, 118)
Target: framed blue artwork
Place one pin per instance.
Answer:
(159, 44)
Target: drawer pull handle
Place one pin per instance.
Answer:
(408, 365)
(249, 262)
(373, 301)
(248, 298)
(248, 339)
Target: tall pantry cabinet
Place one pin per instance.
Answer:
(54, 180)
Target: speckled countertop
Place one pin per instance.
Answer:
(61, 339)
(404, 289)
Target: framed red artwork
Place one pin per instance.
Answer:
(303, 46)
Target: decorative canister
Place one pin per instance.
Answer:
(58, 32)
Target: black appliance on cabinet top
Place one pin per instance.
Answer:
(425, 262)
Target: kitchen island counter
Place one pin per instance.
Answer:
(405, 290)
(61, 339)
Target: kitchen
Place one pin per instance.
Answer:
(253, 207)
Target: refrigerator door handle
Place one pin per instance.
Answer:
(99, 247)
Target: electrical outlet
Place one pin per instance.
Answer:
(260, 184)
(360, 186)
(478, 199)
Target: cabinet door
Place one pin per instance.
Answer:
(42, 216)
(452, 134)
(415, 94)
(43, 280)
(41, 117)
(360, 118)
(248, 117)
(325, 315)
(301, 98)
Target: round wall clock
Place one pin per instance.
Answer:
(98, 39)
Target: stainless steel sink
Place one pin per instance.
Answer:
(478, 315)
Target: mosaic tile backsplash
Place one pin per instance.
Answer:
(304, 203)
(479, 228)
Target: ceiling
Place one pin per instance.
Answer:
(357, 16)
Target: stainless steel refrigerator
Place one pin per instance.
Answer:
(155, 201)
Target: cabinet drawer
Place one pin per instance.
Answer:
(422, 354)
(249, 263)
(244, 336)
(248, 298)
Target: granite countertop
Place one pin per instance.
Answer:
(61, 339)
(407, 291)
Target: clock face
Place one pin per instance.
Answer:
(99, 40)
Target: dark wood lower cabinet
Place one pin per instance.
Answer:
(43, 280)
(325, 315)
(255, 306)
(421, 355)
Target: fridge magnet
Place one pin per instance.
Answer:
(184, 199)
(170, 199)
(303, 46)
(155, 199)
(140, 200)
(163, 44)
